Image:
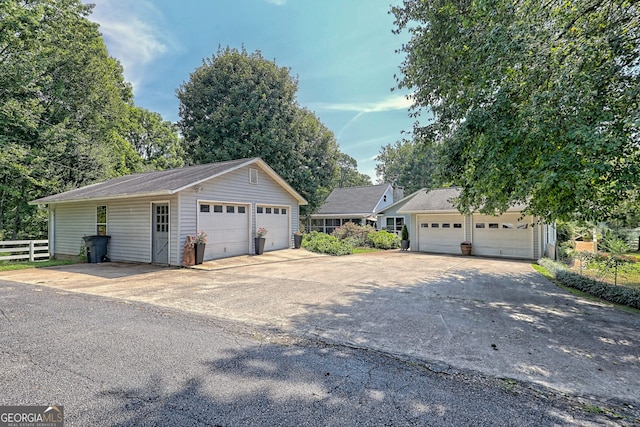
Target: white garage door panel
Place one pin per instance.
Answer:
(227, 232)
(440, 233)
(276, 220)
(503, 236)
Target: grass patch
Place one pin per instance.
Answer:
(540, 269)
(9, 266)
(549, 276)
(364, 250)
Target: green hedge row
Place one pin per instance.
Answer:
(325, 244)
(606, 291)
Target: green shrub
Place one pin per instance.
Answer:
(612, 293)
(356, 235)
(325, 244)
(383, 240)
(404, 232)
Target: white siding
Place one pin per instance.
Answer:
(235, 187)
(386, 200)
(71, 223)
(129, 220)
(393, 212)
(128, 224)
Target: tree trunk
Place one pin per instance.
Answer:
(16, 219)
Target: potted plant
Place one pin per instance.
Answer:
(404, 238)
(259, 240)
(465, 247)
(199, 243)
(297, 237)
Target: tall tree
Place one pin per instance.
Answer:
(239, 105)
(534, 102)
(64, 109)
(409, 164)
(348, 175)
(154, 139)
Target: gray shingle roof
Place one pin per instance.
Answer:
(439, 199)
(155, 183)
(432, 200)
(353, 200)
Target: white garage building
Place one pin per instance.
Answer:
(149, 215)
(436, 226)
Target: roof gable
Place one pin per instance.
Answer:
(353, 200)
(163, 182)
(438, 200)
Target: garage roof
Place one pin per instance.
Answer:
(163, 182)
(438, 200)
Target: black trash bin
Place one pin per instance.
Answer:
(96, 247)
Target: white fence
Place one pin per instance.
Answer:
(31, 250)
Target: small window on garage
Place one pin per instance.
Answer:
(242, 209)
(217, 208)
(446, 225)
(253, 176)
(231, 209)
(457, 225)
(480, 225)
(204, 208)
(260, 209)
(507, 225)
(101, 220)
(424, 225)
(283, 211)
(522, 226)
(434, 225)
(267, 210)
(276, 211)
(493, 225)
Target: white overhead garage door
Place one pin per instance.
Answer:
(276, 220)
(227, 228)
(503, 236)
(440, 233)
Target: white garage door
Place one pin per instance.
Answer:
(440, 233)
(227, 228)
(503, 236)
(276, 220)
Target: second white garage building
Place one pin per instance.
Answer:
(436, 226)
(148, 216)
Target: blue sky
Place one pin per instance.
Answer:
(342, 51)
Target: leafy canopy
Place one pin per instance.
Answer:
(240, 105)
(66, 112)
(534, 102)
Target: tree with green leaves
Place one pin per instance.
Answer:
(65, 109)
(348, 175)
(153, 138)
(534, 102)
(241, 105)
(408, 164)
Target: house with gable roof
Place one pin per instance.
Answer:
(435, 225)
(148, 216)
(351, 204)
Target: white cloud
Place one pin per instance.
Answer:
(131, 35)
(277, 2)
(397, 102)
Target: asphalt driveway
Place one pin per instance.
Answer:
(496, 317)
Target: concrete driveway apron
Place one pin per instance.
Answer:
(496, 317)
